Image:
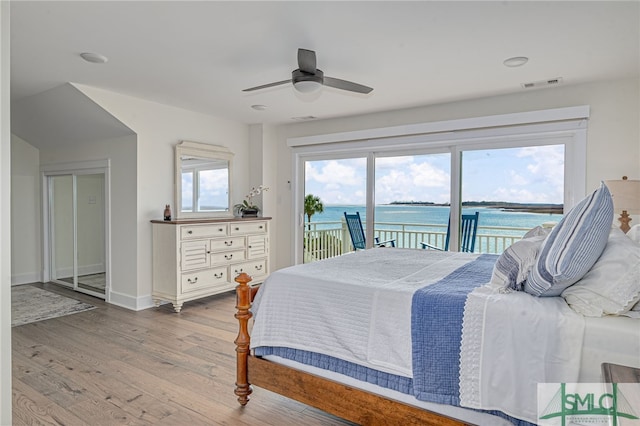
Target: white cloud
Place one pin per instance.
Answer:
(411, 181)
(343, 172)
(337, 181)
(547, 163)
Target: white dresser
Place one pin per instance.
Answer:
(199, 258)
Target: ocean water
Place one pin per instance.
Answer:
(436, 215)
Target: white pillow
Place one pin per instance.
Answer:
(537, 231)
(612, 285)
(515, 263)
(573, 246)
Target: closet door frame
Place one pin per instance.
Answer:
(76, 168)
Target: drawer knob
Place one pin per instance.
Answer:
(237, 229)
(192, 281)
(220, 229)
(189, 232)
(228, 243)
(260, 227)
(228, 256)
(218, 276)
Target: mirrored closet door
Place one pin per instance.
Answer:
(76, 231)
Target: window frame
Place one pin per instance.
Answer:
(570, 132)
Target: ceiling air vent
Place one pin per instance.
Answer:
(542, 83)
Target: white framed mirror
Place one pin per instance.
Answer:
(202, 180)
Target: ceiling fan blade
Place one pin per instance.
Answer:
(307, 60)
(346, 85)
(264, 86)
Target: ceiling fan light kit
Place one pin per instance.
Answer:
(305, 82)
(307, 78)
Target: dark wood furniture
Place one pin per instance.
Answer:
(352, 404)
(615, 373)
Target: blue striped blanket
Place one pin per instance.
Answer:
(436, 330)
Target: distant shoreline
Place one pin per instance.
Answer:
(506, 206)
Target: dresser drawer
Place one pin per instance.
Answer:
(254, 269)
(229, 243)
(204, 279)
(227, 257)
(241, 228)
(200, 231)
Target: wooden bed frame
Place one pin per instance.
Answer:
(352, 404)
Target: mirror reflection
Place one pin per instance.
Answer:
(205, 184)
(202, 180)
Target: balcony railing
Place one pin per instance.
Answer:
(329, 239)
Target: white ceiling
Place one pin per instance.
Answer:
(200, 55)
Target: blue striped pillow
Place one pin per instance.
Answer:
(573, 246)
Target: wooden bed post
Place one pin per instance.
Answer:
(243, 314)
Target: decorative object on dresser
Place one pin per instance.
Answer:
(199, 258)
(167, 212)
(248, 208)
(626, 199)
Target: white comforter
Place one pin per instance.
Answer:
(358, 308)
(355, 307)
(511, 342)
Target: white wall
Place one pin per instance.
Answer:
(159, 128)
(26, 256)
(613, 147)
(5, 218)
(122, 154)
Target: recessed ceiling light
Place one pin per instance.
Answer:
(306, 117)
(516, 61)
(95, 58)
(259, 107)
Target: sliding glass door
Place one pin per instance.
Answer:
(401, 198)
(412, 198)
(418, 199)
(513, 190)
(332, 188)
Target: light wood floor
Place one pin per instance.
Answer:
(112, 366)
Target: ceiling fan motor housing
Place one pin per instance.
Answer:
(299, 76)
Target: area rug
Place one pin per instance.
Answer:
(30, 304)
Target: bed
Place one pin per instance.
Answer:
(401, 336)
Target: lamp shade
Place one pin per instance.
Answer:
(625, 194)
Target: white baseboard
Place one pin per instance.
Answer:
(26, 278)
(131, 302)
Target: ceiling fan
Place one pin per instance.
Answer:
(307, 78)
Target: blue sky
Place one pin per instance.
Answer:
(523, 175)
